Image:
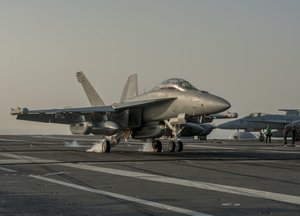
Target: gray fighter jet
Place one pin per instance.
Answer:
(194, 126)
(259, 121)
(168, 106)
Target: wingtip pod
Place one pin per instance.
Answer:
(80, 76)
(18, 111)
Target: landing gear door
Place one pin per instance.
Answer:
(134, 118)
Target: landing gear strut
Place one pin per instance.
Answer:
(176, 144)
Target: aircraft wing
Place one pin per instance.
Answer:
(83, 110)
(61, 116)
(70, 115)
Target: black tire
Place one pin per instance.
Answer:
(157, 146)
(106, 146)
(179, 146)
(171, 146)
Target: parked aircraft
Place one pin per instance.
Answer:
(259, 121)
(145, 116)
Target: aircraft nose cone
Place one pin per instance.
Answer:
(234, 124)
(218, 104)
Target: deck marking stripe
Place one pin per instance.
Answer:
(169, 180)
(10, 155)
(11, 140)
(8, 170)
(189, 183)
(123, 197)
(209, 147)
(24, 159)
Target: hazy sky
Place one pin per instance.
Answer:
(245, 51)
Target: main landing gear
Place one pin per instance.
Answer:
(172, 146)
(178, 146)
(109, 142)
(156, 145)
(106, 146)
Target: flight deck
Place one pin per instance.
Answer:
(55, 175)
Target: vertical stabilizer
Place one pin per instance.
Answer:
(130, 89)
(94, 98)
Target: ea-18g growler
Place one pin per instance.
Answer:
(173, 107)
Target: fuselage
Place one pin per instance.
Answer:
(190, 102)
(172, 99)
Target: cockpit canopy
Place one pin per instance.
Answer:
(176, 83)
(255, 114)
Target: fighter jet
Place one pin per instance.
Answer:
(146, 116)
(259, 121)
(194, 126)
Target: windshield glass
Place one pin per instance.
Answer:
(256, 114)
(176, 83)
